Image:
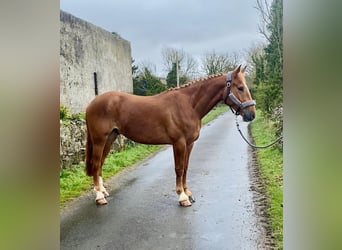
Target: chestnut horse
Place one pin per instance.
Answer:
(171, 117)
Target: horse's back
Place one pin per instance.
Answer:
(106, 104)
(121, 110)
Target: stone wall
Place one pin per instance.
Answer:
(73, 142)
(86, 49)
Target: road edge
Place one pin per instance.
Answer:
(260, 198)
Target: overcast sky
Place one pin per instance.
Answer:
(196, 26)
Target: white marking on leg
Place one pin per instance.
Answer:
(188, 192)
(100, 199)
(102, 188)
(99, 195)
(183, 197)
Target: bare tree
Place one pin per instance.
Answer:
(170, 56)
(213, 63)
(188, 66)
(256, 50)
(271, 25)
(263, 7)
(150, 66)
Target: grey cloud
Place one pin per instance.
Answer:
(197, 26)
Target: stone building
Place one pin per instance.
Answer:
(92, 61)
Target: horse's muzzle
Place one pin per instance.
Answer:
(248, 115)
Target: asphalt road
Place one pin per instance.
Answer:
(143, 211)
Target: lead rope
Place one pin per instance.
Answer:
(252, 145)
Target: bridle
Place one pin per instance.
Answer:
(234, 99)
(242, 105)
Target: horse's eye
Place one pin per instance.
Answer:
(240, 89)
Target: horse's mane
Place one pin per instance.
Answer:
(193, 82)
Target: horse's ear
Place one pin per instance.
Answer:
(244, 69)
(238, 68)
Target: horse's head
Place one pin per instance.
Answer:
(238, 95)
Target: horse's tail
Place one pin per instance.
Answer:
(88, 154)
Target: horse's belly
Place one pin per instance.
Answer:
(147, 135)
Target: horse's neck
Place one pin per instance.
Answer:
(208, 95)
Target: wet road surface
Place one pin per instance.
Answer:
(143, 211)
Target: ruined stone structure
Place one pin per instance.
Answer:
(92, 61)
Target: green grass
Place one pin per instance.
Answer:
(215, 112)
(270, 162)
(73, 180)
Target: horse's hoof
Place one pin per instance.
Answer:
(192, 199)
(106, 194)
(185, 203)
(101, 201)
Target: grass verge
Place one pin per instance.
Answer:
(270, 162)
(215, 112)
(73, 180)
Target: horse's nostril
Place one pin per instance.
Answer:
(248, 116)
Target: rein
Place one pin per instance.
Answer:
(252, 145)
(242, 105)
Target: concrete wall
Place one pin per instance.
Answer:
(85, 49)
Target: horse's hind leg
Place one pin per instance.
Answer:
(97, 165)
(110, 139)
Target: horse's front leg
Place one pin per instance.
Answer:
(185, 185)
(179, 152)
